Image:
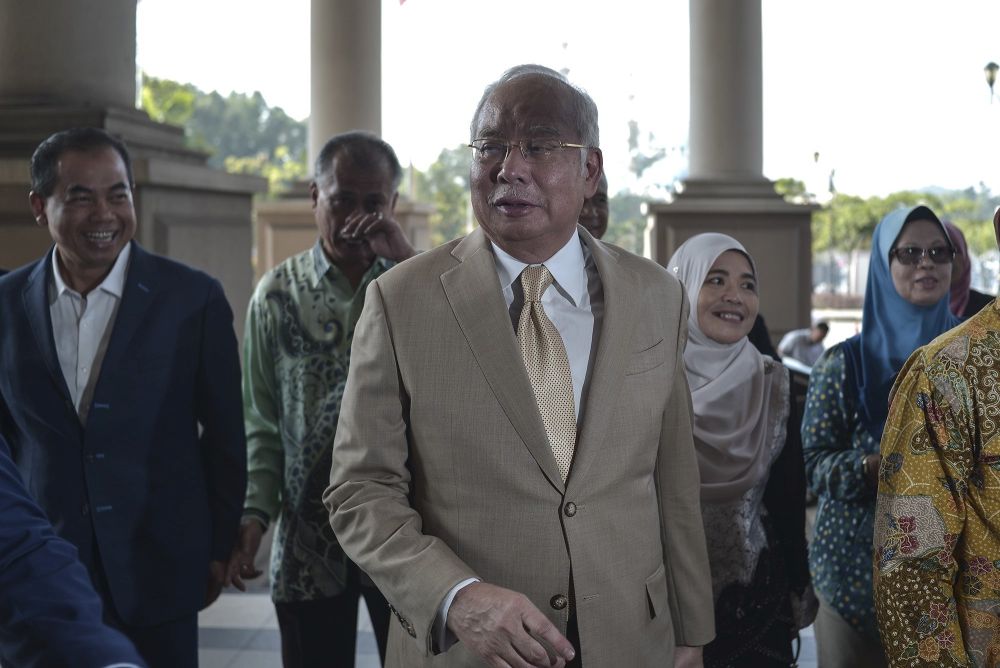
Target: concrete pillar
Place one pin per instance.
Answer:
(726, 134)
(346, 75)
(726, 190)
(346, 89)
(68, 51)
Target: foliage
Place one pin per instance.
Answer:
(626, 224)
(281, 170)
(445, 184)
(792, 190)
(240, 132)
(847, 222)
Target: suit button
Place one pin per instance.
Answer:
(570, 509)
(558, 602)
(85, 510)
(89, 458)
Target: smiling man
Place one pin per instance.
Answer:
(514, 464)
(120, 399)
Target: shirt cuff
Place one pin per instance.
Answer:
(443, 637)
(259, 515)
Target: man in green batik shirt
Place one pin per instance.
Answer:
(300, 323)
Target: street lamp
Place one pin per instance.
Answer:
(991, 76)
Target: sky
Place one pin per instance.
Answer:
(891, 94)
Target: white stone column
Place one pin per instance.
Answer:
(58, 51)
(346, 76)
(726, 135)
(726, 190)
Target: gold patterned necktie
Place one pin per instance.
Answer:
(548, 367)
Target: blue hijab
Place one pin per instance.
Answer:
(891, 327)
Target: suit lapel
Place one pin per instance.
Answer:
(622, 293)
(36, 307)
(473, 290)
(138, 294)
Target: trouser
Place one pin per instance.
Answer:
(573, 636)
(323, 633)
(840, 645)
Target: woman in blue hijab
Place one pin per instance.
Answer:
(906, 306)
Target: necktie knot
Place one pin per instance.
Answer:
(534, 281)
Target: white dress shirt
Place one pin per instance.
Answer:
(81, 327)
(575, 304)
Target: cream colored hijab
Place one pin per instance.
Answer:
(732, 394)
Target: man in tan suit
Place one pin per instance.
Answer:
(528, 497)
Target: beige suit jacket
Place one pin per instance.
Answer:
(442, 470)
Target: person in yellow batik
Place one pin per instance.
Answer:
(937, 535)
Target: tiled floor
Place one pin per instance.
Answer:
(240, 631)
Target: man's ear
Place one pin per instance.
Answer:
(593, 167)
(392, 204)
(37, 203)
(314, 194)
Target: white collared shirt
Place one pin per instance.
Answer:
(81, 327)
(566, 302)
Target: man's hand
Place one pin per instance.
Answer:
(241, 560)
(216, 578)
(687, 657)
(383, 234)
(505, 629)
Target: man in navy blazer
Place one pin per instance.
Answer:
(120, 399)
(50, 615)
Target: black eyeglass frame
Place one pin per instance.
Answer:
(946, 253)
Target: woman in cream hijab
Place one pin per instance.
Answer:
(750, 459)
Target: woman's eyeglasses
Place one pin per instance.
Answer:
(913, 254)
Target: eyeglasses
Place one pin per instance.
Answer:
(532, 150)
(914, 254)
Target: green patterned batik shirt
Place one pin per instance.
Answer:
(300, 323)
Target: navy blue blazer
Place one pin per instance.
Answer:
(153, 486)
(50, 615)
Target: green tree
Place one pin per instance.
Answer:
(792, 190)
(847, 222)
(445, 184)
(626, 224)
(240, 132)
(168, 101)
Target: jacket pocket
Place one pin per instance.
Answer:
(656, 592)
(646, 360)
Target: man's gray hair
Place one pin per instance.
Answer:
(584, 109)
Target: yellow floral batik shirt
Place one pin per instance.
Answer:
(937, 522)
